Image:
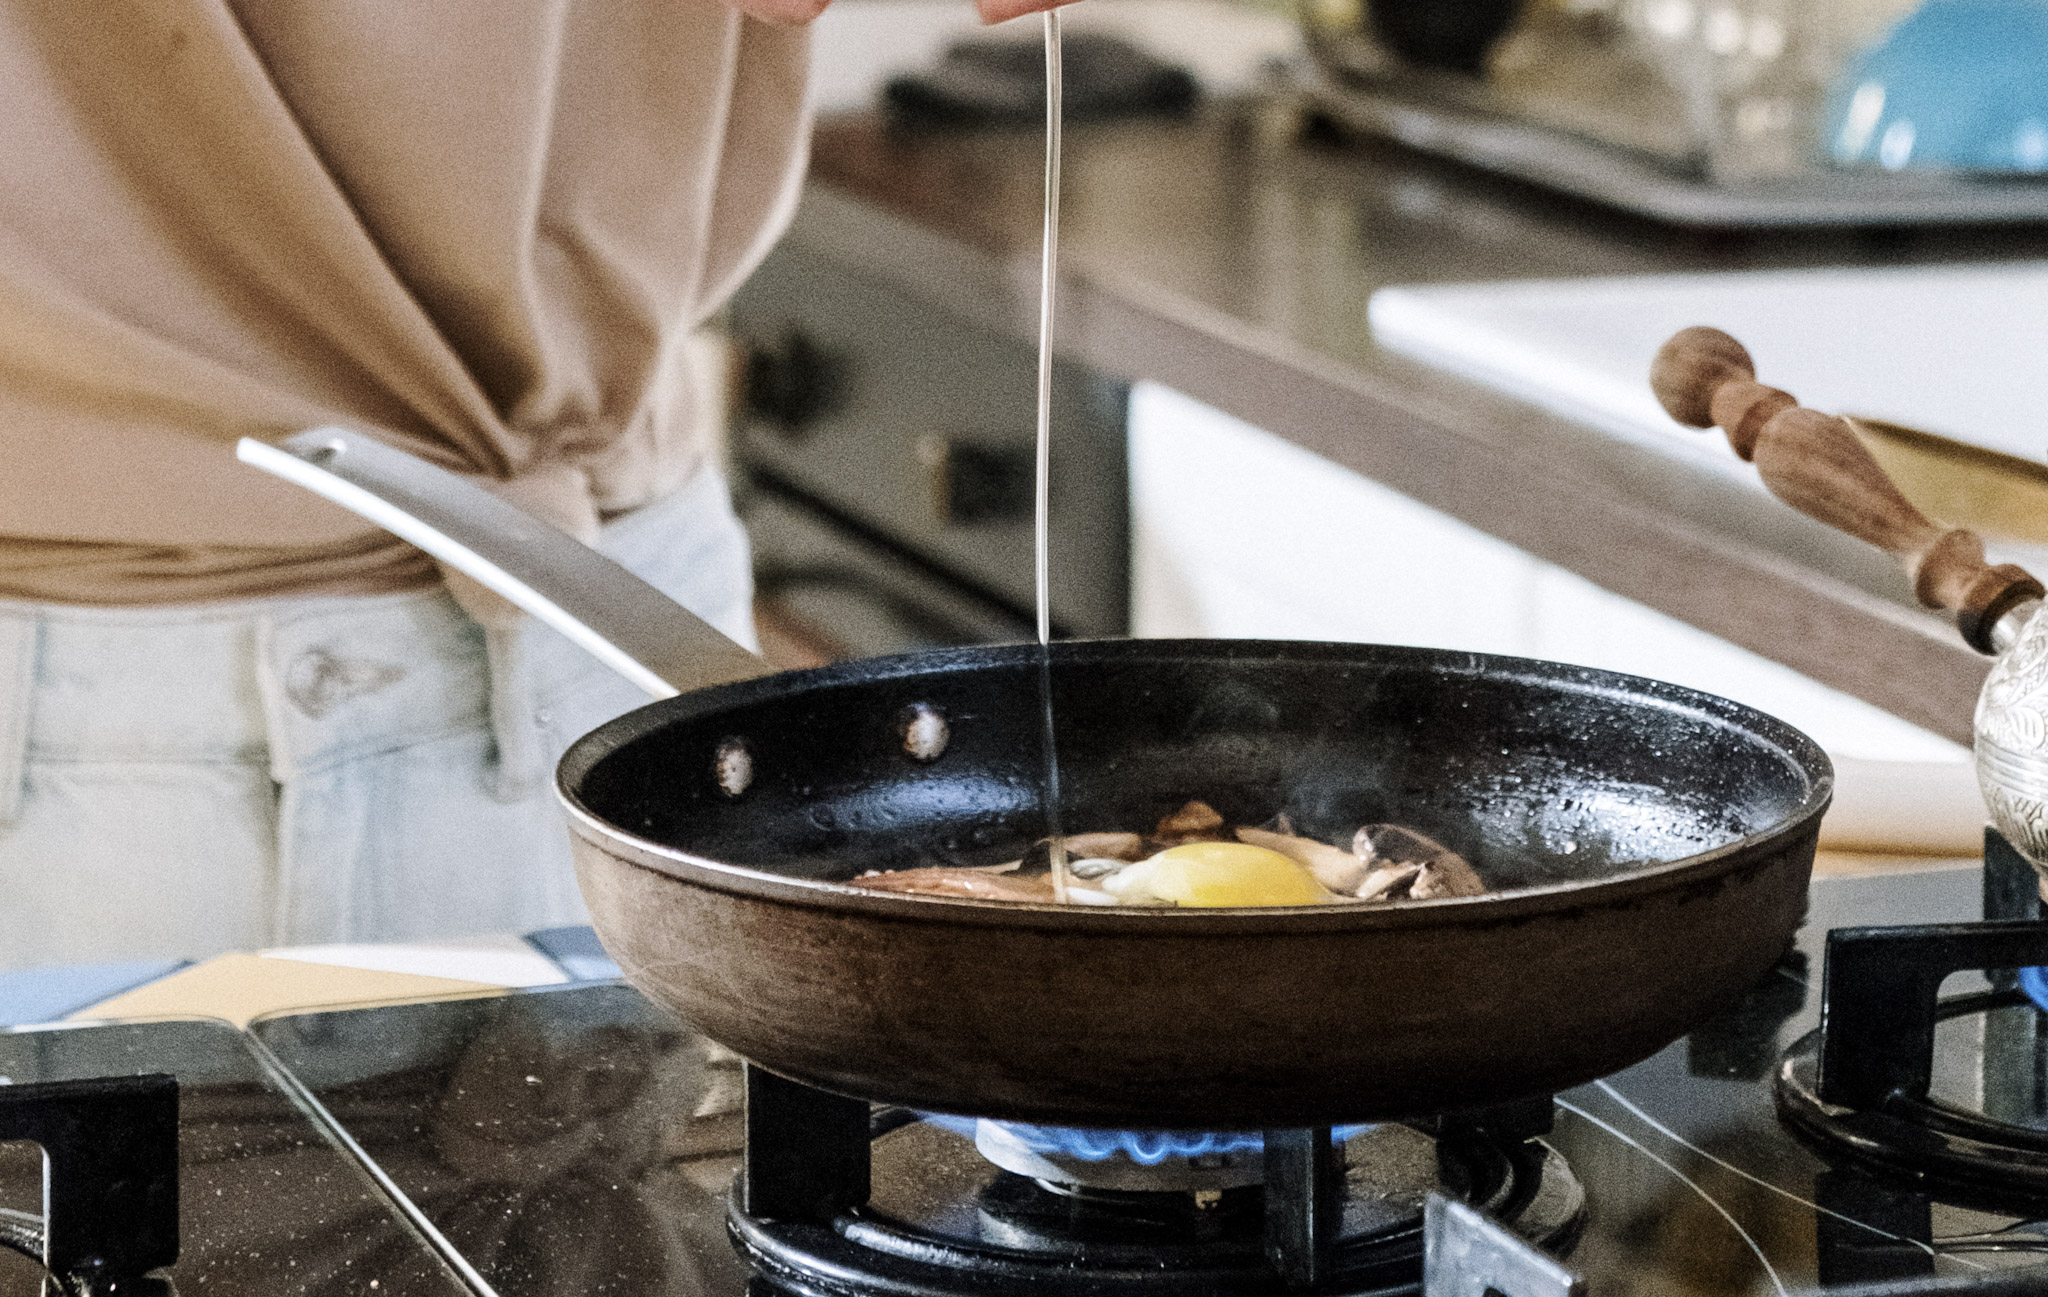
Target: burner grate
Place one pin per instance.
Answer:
(1861, 1084)
(833, 1202)
(110, 1180)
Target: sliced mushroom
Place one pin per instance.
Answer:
(977, 884)
(1112, 846)
(1335, 868)
(1442, 871)
(1447, 875)
(1397, 844)
(1381, 882)
(1120, 847)
(1194, 822)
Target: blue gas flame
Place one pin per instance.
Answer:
(2034, 981)
(1145, 1147)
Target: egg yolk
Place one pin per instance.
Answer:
(1207, 874)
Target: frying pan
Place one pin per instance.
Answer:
(1649, 847)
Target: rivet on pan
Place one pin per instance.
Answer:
(925, 732)
(734, 767)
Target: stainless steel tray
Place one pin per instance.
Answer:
(1657, 188)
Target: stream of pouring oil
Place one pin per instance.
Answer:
(1048, 265)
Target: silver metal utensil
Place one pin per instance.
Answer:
(621, 620)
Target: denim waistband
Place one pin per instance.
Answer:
(296, 683)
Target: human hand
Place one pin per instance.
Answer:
(997, 11)
(797, 13)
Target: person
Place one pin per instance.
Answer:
(485, 231)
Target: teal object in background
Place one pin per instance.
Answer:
(35, 995)
(1957, 85)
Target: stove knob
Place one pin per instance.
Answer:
(792, 382)
(974, 483)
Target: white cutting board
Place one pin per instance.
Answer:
(1957, 350)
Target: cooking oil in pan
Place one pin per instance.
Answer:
(1048, 263)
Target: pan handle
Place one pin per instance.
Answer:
(1816, 463)
(627, 624)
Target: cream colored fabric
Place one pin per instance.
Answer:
(481, 229)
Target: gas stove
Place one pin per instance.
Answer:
(579, 1140)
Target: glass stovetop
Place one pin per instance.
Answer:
(269, 1202)
(578, 1140)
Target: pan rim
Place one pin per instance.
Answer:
(1698, 869)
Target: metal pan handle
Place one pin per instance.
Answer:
(627, 624)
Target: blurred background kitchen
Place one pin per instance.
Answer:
(1360, 301)
(1357, 309)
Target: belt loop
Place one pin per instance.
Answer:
(20, 638)
(521, 760)
(270, 687)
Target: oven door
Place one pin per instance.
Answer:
(884, 454)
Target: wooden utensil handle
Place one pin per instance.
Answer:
(1816, 463)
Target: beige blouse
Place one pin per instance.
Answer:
(480, 229)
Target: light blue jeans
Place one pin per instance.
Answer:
(177, 782)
